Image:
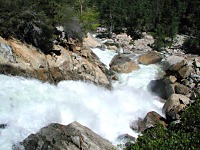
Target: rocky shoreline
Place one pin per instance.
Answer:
(178, 88)
(75, 61)
(79, 63)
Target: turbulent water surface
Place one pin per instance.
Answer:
(28, 105)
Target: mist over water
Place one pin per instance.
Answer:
(27, 105)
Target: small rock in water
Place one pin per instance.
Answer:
(3, 126)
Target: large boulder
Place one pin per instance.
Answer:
(91, 41)
(123, 64)
(152, 119)
(19, 59)
(150, 58)
(174, 104)
(158, 87)
(71, 137)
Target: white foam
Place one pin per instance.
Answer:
(28, 105)
(105, 55)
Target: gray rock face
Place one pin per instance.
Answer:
(123, 64)
(6, 51)
(19, 59)
(71, 137)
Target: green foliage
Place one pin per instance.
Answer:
(35, 22)
(165, 18)
(184, 135)
(89, 19)
(192, 45)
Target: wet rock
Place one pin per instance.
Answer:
(170, 89)
(126, 138)
(174, 104)
(150, 58)
(158, 87)
(123, 64)
(59, 137)
(151, 120)
(3, 126)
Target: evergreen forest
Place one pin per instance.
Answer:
(35, 21)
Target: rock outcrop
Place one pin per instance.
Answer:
(123, 64)
(79, 63)
(71, 137)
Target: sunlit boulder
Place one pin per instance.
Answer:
(123, 64)
(150, 58)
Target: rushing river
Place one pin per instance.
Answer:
(28, 105)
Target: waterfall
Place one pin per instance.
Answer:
(27, 105)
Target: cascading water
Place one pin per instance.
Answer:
(28, 105)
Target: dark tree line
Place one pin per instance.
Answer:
(163, 18)
(34, 21)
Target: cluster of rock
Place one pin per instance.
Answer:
(72, 62)
(59, 137)
(176, 47)
(118, 42)
(182, 83)
(144, 44)
(180, 86)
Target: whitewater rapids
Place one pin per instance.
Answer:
(27, 105)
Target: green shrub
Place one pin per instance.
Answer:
(184, 135)
(35, 22)
(192, 45)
